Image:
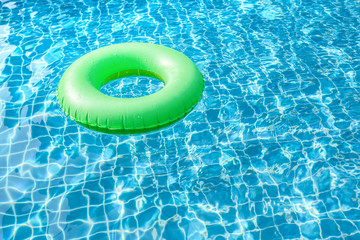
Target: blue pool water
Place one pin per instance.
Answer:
(271, 152)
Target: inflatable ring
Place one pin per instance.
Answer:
(80, 97)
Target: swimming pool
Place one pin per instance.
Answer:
(271, 151)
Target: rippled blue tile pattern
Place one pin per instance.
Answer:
(271, 152)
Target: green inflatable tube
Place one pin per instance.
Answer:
(80, 97)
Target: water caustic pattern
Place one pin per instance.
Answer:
(271, 152)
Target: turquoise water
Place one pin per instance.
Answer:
(271, 152)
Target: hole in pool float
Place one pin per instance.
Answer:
(132, 87)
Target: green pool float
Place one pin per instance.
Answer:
(80, 97)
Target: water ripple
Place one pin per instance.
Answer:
(271, 152)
